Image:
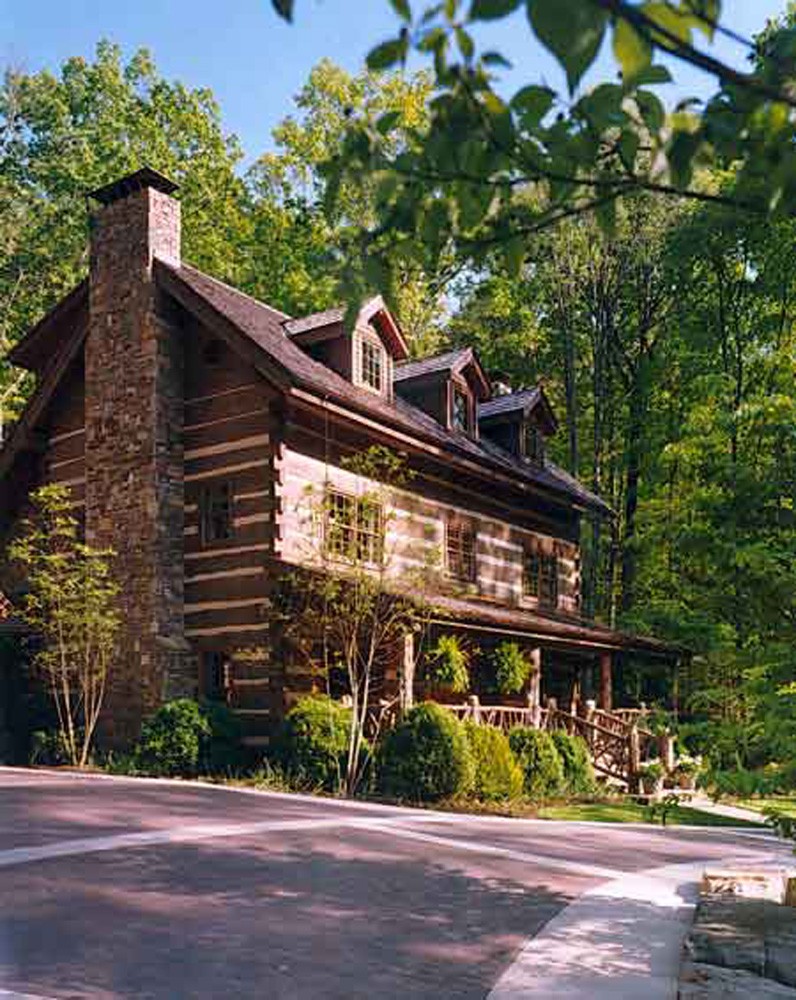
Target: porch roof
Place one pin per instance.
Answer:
(563, 632)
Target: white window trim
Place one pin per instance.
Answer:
(360, 337)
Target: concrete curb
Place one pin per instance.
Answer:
(622, 940)
(434, 815)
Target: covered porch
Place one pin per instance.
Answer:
(572, 685)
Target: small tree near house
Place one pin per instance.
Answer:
(70, 605)
(350, 609)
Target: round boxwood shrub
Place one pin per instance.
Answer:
(426, 757)
(497, 775)
(222, 750)
(171, 740)
(576, 762)
(537, 756)
(312, 744)
(512, 668)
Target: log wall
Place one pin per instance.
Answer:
(229, 439)
(415, 535)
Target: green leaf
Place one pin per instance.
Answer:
(633, 52)
(572, 30)
(532, 103)
(651, 75)
(495, 59)
(388, 121)
(387, 54)
(465, 43)
(402, 9)
(491, 10)
(652, 110)
(514, 255)
(284, 8)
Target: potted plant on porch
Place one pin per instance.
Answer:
(447, 665)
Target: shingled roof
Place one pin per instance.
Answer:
(264, 326)
(523, 399)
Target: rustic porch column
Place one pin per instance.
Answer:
(535, 687)
(406, 682)
(606, 681)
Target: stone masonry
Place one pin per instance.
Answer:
(134, 452)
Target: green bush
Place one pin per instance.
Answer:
(222, 751)
(576, 763)
(426, 757)
(497, 775)
(512, 668)
(541, 765)
(48, 747)
(312, 744)
(172, 739)
(740, 784)
(447, 664)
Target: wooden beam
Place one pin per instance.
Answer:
(606, 681)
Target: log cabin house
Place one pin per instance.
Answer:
(188, 420)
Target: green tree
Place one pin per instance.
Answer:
(582, 148)
(70, 605)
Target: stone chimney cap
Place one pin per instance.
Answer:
(143, 178)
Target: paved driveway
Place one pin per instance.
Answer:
(122, 887)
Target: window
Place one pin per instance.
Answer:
(460, 417)
(216, 513)
(354, 528)
(534, 444)
(540, 578)
(460, 551)
(372, 364)
(215, 676)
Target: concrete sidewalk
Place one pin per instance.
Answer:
(622, 941)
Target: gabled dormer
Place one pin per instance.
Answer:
(365, 355)
(520, 422)
(449, 387)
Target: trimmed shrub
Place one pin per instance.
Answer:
(48, 747)
(222, 751)
(172, 739)
(426, 757)
(312, 744)
(541, 765)
(512, 668)
(497, 775)
(448, 664)
(576, 763)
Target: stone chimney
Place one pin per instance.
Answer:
(134, 459)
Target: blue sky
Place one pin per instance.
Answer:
(255, 64)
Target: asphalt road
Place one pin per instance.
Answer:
(122, 887)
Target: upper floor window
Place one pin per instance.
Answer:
(372, 364)
(460, 551)
(533, 444)
(216, 676)
(460, 416)
(354, 528)
(215, 512)
(540, 578)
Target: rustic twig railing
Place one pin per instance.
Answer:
(616, 742)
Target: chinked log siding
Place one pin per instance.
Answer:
(441, 481)
(415, 535)
(229, 435)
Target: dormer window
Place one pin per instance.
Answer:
(372, 364)
(533, 444)
(460, 416)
